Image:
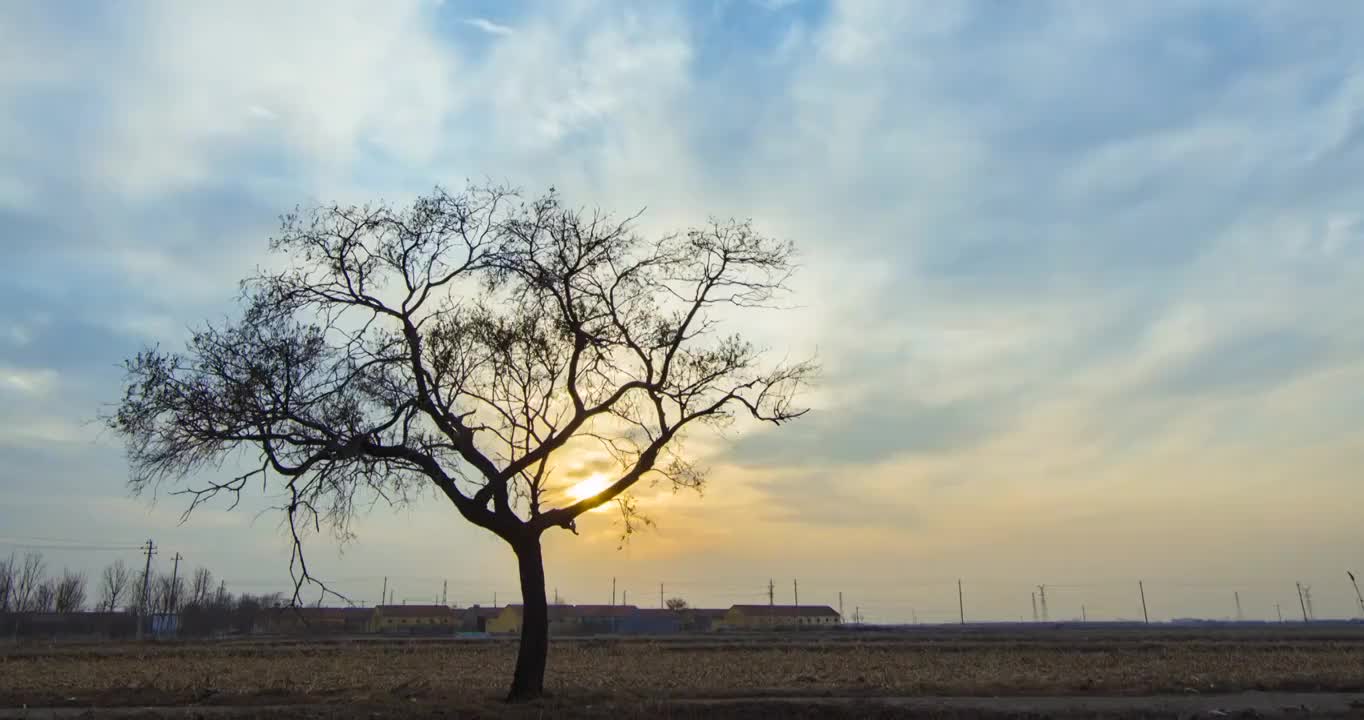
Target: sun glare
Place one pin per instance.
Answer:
(594, 484)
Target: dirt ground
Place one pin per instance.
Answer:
(944, 673)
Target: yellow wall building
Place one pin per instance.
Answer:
(412, 618)
(562, 620)
(753, 617)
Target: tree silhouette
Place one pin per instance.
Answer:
(28, 594)
(114, 582)
(70, 592)
(473, 343)
(677, 604)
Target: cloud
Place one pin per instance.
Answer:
(28, 382)
(1096, 266)
(489, 27)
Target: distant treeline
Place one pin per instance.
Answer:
(34, 603)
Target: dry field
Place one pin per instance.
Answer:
(465, 676)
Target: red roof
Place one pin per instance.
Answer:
(604, 610)
(410, 611)
(584, 611)
(786, 610)
(322, 613)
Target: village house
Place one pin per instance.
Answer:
(701, 619)
(413, 619)
(476, 618)
(752, 617)
(314, 620)
(562, 620)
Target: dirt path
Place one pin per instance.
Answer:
(1239, 705)
(1248, 704)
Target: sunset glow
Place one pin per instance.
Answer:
(594, 484)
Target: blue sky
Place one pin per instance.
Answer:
(1084, 277)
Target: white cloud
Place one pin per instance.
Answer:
(40, 432)
(261, 112)
(982, 222)
(488, 26)
(335, 77)
(544, 85)
(27, 381)
(17, 334)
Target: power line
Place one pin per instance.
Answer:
(45, 539)
(75, 548)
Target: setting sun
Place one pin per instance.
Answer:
(592, 485)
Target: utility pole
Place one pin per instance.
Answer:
(1302, 603)
(661, 604)
(1239, 615)
(1278, 611)
(175, 586)
(961, 604)
(1084, 618)
(445, 587)
(1042, 596)
(146, 585)
(383, 596)
(1307, 595)
(840, 606)
(1034, 606)
(494, 599)
(770, 594)
(624, 597)
(795, 591)
(1146, 618)
(613, 592)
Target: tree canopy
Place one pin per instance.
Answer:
(474, 342)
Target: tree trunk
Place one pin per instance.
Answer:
(529, 681)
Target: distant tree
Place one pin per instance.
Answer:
(113, 585)
(44, 598)
(28, 580)
(201, 588)
(143, 592)
(168, 593)
(222, 599)
(677, 604)
(8, 571)
(71, 593)
(466, 344)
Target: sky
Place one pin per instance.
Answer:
(1084, 278)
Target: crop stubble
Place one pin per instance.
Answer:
(362, 671)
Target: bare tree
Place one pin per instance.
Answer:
(222, 599)
(8, 571)
(677, 604)
(168, 593)
(142, 593)
(44, 597)
(70, 595)
(469, 344)
(201, 588)
(113, 584)
(28, 580)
